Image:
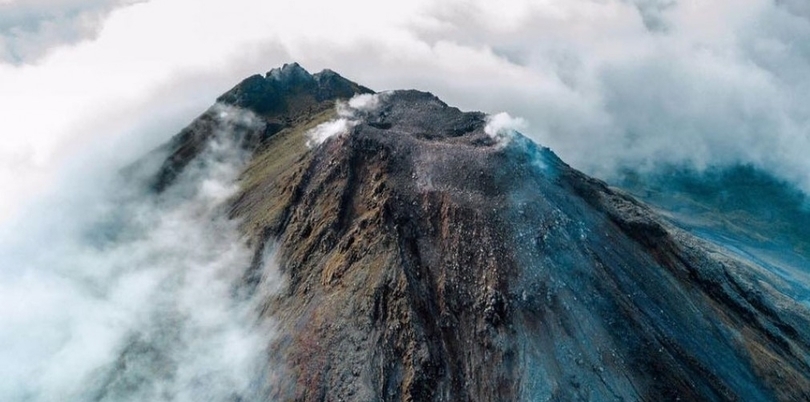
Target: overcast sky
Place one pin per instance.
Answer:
(607, 84)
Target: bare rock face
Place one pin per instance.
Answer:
(425, 259)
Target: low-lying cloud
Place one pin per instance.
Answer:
(123, 295)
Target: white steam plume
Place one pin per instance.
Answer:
(348, 115)
(324, 131)
(502, 127)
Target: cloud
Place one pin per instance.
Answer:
(797, 7)
(30, 28)
(717, 87)
(108, 293)
(653, 13)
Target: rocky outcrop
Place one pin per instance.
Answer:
(425, 259)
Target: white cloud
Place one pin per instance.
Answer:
(107, 268)
(30, 28)
(722, 84)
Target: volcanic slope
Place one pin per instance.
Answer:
(428, 256)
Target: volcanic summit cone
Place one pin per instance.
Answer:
(427, 255)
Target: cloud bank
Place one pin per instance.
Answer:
(116, 294)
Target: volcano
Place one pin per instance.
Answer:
(427, 254)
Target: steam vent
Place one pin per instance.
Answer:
(425, 255)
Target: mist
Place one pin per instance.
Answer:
(110, 292)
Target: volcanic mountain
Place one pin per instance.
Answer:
(429, 255)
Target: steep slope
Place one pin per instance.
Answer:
(428, 257)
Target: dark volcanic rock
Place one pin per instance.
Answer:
(426, 260)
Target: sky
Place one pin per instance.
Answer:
(608, 85)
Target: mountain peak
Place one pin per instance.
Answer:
(273, 93)
(280, 98)
(291, 75)
(426, 259)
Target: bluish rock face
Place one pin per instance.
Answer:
(426, 259)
